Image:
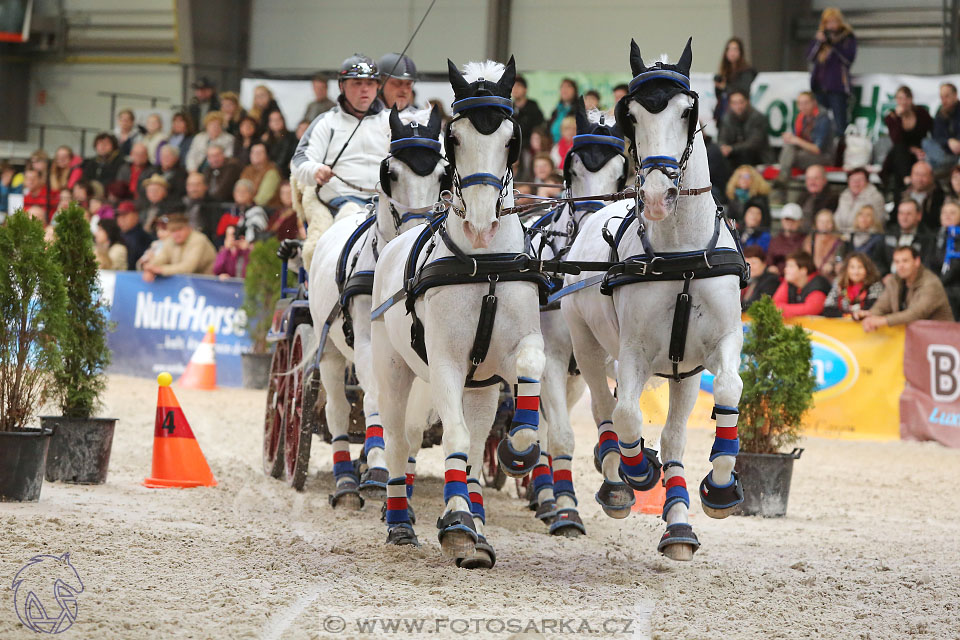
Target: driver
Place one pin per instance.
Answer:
(398, 74)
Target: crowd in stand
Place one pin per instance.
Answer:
(193, 201)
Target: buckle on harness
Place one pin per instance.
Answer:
(706, 260)
(648, 267)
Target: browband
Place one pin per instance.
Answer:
(589, 138)
(665, 74)
(406, 143)
(482, 101)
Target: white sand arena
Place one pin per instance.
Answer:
(869, 549)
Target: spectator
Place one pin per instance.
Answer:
(591, 100)
(156, 202)
(127, 132)
(909, 232)
(539, 142)
(753, 231)
(824, 244)
(526, 111)
(810, 143)
(543, 168)
(82, 192)
(221, 174)
(134, 173)
(926, 193)
(954, 184)
(907, 125)
(184, 251)
(397, 75)
(202, 213)
(914, 293)
(35, 194)
(204, 101)
(735, 75)
(231, 111)
(233, 257)
(568, 129)
(858, 194)
(213, 133)
(742, 133)
(40, 161)
(248, 136)
(789, 240)
(283, 223)
(803, 291)
(321, 104)
(263, 173)
(181, 133)
(545, 191)
(134, 237)
(816, 195)
(619, 91)
(762, 282)
(154, 137)
(10, 183)
(65, 171)
(109, 247)
(942, 148)
(746, 185)
(867, 238)
(564, 108)
(104, 166)
(857, 287)
(97, 207)
(280, 142)
(946, 260)
(832, 52)
(244, 213)
(172, 171)
(263, 104)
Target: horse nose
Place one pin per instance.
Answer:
(671, 196)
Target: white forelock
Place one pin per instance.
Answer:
(594, 117)
(488, 70)
(421, 116)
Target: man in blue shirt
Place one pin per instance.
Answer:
(810, 142)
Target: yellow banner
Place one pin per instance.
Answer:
(859, 376)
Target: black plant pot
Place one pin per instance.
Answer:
(23, 457)
(256, 370)
(766, 482)
(80, 449)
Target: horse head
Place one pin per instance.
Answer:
(595, 163)
(482, 142)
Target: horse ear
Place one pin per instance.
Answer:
(686, 59)
(434, 123)
(396, 125)
(583, 123)
(457, 80)
(509, 76)
(636, 62)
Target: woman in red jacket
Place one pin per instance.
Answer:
(803, 291)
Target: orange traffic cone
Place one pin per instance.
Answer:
(177, 458)
(651, 501)
(201, 371)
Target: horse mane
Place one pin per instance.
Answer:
(488, 70)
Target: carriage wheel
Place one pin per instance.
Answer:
(273, 416)
(493, 475)
(296, 433)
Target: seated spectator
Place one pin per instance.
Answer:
(82, 192)
(743, 132)
(907, 125)
(35, 194)
(249, 215)
(103, 167)
(283, 223)
(154, 137)
(543, 168)
(322, 103)
(858, 194)
(526, 111)
(551, 192)
(539, 142)
(232, 112)
(181, 133)
(914, 293)
(568, 129)
(213, 134)
(789, 240)
(824, 244)
(233, 257)
(816, 195)
(954, 184)
(134, 237)
(735, 75)
(39, 213)
(803, 291)
(280, 143)
(64, 198)
(221, 174)
(155, 246)
(619, 91)
(109, 247)
(40, 161)
(909, 232)
(11, 182)
(246, 138)
(100, 209)
(926, 193)
(857, 287)
(263, 173)
(65, 170)
(184, 251)
(752, 231)
(591, 100)
(867, 238)
(746, 185)
(172, 171)
(762, 282)
(127, 131)
(263, 104)
(810, 143)
(565, 107)
(202, 213)
(946, 259)
(942, 148)
(136, 171)
(156, 202)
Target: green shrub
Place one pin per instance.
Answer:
(261, 291)
(778, 383)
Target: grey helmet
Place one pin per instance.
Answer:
(394, 65)
(358, 66)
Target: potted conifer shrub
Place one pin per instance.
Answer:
(261, 291)
(778, 387)
(81, 444)
(33, 303)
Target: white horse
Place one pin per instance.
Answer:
(667, 263)
(599, 144)
(474, 289)
(411, 180)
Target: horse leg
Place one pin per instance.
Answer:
(543, 499)
(373, 482)
(520, 452)
(346, 495)
(679, 542)
(567, 520)
(721, 491)
(397, 450)
(480, 407)
(639, 467)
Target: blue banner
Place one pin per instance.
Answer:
(158, 325)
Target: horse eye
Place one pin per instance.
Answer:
(687, 112)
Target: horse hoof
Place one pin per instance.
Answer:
(615, 498)
(720, 502)
(483, 556)
(401, 535)
(374, 483)
(347, 498)
(547, 511)
(412, 516)
(458, 534)
(679, 552)
(679, 542)
(517, 464)
(568, 524)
